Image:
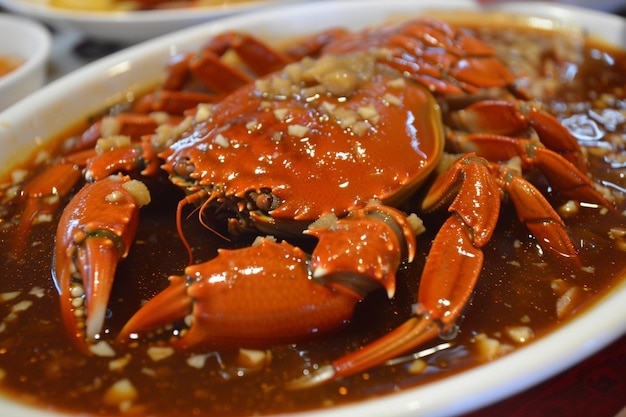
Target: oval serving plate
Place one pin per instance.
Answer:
(91, 88)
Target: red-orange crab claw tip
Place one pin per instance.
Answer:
(390, 239)
(404, 338)
(98, 290)
(320, 376)
(169, 306)
(93, 234)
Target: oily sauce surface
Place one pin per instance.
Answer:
(518, 289)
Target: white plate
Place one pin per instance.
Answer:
(132, 26)
(51, 109)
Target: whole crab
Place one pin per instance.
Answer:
(334, 133)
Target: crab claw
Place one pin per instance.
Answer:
(376, 239)
(449, 276)
(264, 294)
(252, 296)
(95, 231)
(170, 305)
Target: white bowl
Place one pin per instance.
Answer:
(30, 41)
(57, 106)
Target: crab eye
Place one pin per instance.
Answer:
(183, 167)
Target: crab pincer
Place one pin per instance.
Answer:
(94, 232)
(264, 294)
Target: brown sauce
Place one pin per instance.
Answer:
(517, 289)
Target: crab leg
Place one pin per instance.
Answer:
(511, 117)
(174, 103)
(43, 196)
(94, 232)
(127, 124)
(562, 174)
(214, 73)
(455, 258)
(543, 222)
(449, 276)
(452, 282)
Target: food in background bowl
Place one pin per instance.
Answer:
(24, 50)
(122, 5)
(9, 63)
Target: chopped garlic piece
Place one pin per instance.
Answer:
(109, 143)
(252, 125)
(568, 209)
(360, 128)
(109, 126)
(120, 393)
(369, 113)
(328, 108)
(120, 363)
(37, 292)
(416, 223)
(281, 114)
(21, 306)
(114, 197)
(139, 191)
(158, 353)
(391, 99)
(198, 360)
(418, 366)
(567, 302)
(324, 222)
(222, 141)
(8, 296)
(204, 111)
(487, 347)
(520, 334)
(298, 131)
(253, 359)
(102, 349)
(19, 175)
(397, 83)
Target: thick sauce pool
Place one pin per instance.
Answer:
(519, 298)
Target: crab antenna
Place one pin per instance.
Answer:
(190, 199)
(205, 224)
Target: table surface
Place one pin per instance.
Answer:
(594, 387)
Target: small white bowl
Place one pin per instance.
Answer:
(30, 41)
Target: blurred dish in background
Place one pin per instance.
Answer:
(24, 52)
(9, 63)
(129, 25)
(604, 5)
(127, 5)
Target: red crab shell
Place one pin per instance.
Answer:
(319, 149)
